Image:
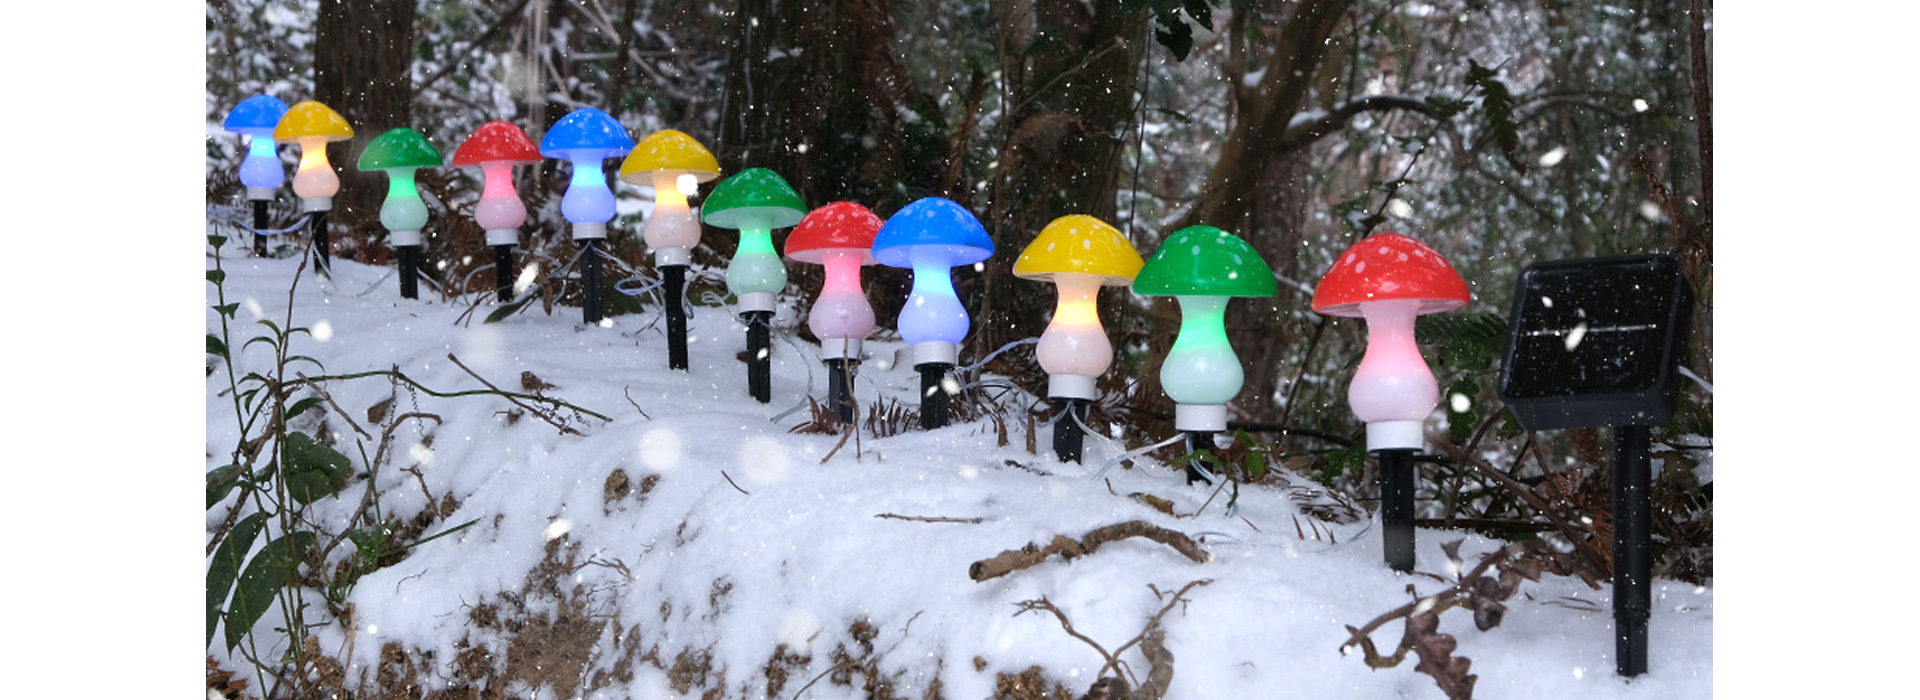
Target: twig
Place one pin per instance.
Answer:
(1015, 559)
(636, 406)
(925, 519)
(322, 391)
(1600, 563)
(736, 487)
(1153, 624)
(564, 428)
(1065, 624)
(394, 373)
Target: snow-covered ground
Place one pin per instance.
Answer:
(734, 536)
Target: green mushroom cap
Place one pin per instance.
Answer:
(1205, 261)
(750, 194)
(399, 148)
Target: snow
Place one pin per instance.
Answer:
(749, 536)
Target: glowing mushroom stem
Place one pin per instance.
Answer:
(1074, 349)
(1393, 391)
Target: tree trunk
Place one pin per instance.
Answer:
(362, 58)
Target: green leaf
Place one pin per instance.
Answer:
(217, 347)
(509, 309)
(1496, 106)
(216, 240)
(220, 482)
(1353, 458)
(269, 571)
(216, 276)
(225, 562)
(313, 471)
(301, 406)
(228, 310)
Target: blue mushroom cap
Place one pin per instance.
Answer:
(256, 115)
(586, 129)
(932, 221)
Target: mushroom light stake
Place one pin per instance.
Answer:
(932, 235)
(496, 147)
(839, 236)
(400, 152)
(1388, 279)
(755, 201)
(1079, 254)
(313, 125)
(675, 165)
(255, 118)
(1202, 267)
(587, 137)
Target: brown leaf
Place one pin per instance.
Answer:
(1436, 656)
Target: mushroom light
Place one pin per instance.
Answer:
(674, 164)
(931, 236)
(840, 237)
(313, 125)
(1202, 267)
(587, 137)
(496, 147)
(400, 152)
(756, 201)
(1389, 279)
(1079, 254)
(255, 118)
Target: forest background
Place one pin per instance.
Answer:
(1486, 208)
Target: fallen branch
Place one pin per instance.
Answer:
(1014, 559)
(1476, 590)
(925, 519)
(1151, 639)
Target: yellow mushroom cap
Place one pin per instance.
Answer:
(671, 151)
(1079, 244)
(311, 118)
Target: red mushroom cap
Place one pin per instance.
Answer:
(1386, 267)
(497, 141)
(842, 225)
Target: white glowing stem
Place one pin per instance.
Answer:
(673, 224)
(842, 310)
(1393, 384)
(315, 179)
(1074, 342)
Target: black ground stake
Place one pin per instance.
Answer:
(1067, 435)
(933, 396)
(675, 280)
(760, 355)
(1198, 441)
(409, 271)
(1396, 507)
(503, 271)
(1632, 526)
(590, 281)
(840, 372)
(259, 228)
(322, 265)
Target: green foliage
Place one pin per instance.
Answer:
(313, 471)
(1351, 459)
(1496, 110)
(225, 565)
(269, 572)
(1468, 341)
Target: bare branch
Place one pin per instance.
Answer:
(1015, 559)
